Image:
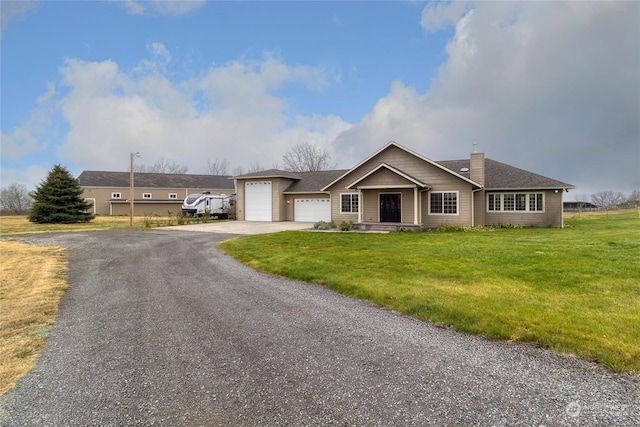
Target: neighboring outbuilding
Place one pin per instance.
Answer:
(154, 193)
(577, 206)
(396, 187)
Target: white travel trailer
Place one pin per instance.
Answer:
(217, 205)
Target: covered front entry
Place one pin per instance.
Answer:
(390, 207)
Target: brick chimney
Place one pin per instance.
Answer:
(476, 168)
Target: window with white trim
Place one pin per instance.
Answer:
(349, 203)
(535, 202)
(146, 195)
(443, 203)
(515, 202)
(494, 202)
(173, 196)
(116, 195)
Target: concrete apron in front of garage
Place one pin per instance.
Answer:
(244, 227)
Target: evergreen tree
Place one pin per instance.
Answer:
(58, 200)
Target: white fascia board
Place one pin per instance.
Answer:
(392, 169)
(395, 144)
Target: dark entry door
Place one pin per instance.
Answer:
(390, 208)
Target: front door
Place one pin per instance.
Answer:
(390, 208)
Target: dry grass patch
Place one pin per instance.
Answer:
(32, 280)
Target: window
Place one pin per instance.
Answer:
(116, 195)
(443, 203)
(173, 196)
(494, 202)
(146, 195)
(348, 203)
(509, 202)
(515, 202)
(535, 202)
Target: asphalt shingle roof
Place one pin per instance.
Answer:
(314, 181)
(500, 176)
(154, 180)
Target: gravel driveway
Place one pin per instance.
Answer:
(161, 328)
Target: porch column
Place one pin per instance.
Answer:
(415, 206)
(360, 206)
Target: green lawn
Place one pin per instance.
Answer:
(575, 290)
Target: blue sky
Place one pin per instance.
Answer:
(551, 87)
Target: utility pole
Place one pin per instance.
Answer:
(131, 156)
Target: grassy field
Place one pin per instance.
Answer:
(575, 290)
(32, 280)
(19, 224)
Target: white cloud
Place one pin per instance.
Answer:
(30, 177)
(230, 112)
(9, 10)
(440, 15)
(31, 136)
(163, 7)
(548, 86)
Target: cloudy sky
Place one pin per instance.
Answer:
(550, 87)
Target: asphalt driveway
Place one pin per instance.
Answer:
(161, 328)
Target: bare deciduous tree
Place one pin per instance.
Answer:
(15, 199)
(255, 167)
(305, 157)
(237, 171)
(217, 167)
(607, 199)
(162, 165)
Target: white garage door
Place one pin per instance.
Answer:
(257, 201)
(312, 210)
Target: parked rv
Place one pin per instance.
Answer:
(217, 205)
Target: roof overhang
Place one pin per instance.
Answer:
(395, 144)
(398, 172)
(564, 188)
(305, 192)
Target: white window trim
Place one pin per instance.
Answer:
(527, 201)
(457, 193)
(147, 196)
(350, 203)
(116, 195)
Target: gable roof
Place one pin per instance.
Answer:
(154, 180)
(501, 176)
(498, 176)
(395, 144)
(392, 169)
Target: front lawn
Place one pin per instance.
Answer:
(575, 290)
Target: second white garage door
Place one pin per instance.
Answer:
(312, 210)
(257, 201)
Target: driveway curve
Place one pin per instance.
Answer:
(161, 328)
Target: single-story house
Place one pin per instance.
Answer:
(396, 187)
(154, 193)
